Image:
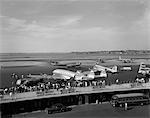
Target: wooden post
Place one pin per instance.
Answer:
(86, 99)
(80, 100)
(126, 106)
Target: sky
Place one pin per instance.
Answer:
(74, 25)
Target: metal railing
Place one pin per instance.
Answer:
(51, 92)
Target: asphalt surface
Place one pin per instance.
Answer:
(85, 111)
(93, 111)
(38, 67)
(7, 81)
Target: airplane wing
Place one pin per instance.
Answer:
(59, 76)
(99, 68)
(73, 64)
(39, 76)
(103, 74)
(70, 65)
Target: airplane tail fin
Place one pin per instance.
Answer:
(95, 67)
(79, 75)
(78, 72)
(98, 67)
(91, 74)
(53, 62)
(103, 74)
(115, 69)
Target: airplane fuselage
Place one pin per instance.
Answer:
(69, 64)
(125, 60)
(143, 69)
(102, 68)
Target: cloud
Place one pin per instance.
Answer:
(70, 21)
(34, 37)
(144, 21)
(57, 22)
(64, 33)
(55, 28)
(13, 24)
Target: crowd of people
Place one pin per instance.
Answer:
(47, 85)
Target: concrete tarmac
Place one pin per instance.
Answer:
(94, 111)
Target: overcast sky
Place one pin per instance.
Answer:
(74, 25)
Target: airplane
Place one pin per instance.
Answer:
(100, 61)
(114, 69)
(65, 64)
(95, 74)
(78, 76)
(125, 60)
(63, 74)
(39, 76)
(27, 81)
(143, 69)
(33, 79)
(67, 74)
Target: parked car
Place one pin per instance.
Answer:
(57, 108)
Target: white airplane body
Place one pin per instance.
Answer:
(103, 74)
(143, 69)
(114, 69)
(63, 74)
(95, 74)
(66, 75)
(78, 76)
(125, 60)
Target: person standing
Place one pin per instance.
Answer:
(117, 81)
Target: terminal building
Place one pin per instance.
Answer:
(39, 100)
